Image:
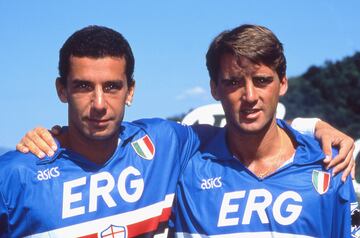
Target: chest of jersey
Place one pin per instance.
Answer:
(69, 199)
(226, 198)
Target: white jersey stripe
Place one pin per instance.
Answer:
(123, 219)
(321, 182)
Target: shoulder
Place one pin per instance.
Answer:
(15, 160)
(153, 122)
(165, 132)
(15, 168)
(158, 126)
(206, 132)
(15, 163)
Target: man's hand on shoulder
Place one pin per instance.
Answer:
(331, 137)
(39, 141)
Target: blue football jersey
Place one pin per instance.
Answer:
(69, 196)
(217, 196)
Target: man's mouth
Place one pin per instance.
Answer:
(98, 122)
(248, 111)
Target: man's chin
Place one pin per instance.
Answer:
(100, 135)
(249, 131)
(253, 128)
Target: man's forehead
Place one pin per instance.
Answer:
(231, 64)
(92, 64)
(103, 69)
(89, 57)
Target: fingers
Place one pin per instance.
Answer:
(349, 170)
(346, 149)
(353, 170)
(46, 139)
(38, 141)
(326, 147)
(339, 165)
(330, 137)
(343, 161)
(27, 141)
(22, 148)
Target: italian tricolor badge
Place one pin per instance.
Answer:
(321, 181)
(144, 147)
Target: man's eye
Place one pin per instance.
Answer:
(112, 86)
(82, 86)
(262, 81)
(231, 82)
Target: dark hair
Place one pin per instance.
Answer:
(256, 43)
(95, 42)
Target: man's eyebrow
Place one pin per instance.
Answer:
(263, 76)
(231, 78)
(80, 81)
(114, 81)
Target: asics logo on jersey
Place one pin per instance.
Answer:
(48, 173)
(129, 185)
(211, 183)
(285, 210)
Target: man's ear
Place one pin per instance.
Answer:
(213, 87)
(283, 86)
(61, 90)
(131, 91)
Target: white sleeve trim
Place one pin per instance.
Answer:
(305, 126)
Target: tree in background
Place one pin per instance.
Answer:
(330, 92)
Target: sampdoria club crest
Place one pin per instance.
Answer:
(114, 232)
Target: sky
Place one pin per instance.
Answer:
(169, 40)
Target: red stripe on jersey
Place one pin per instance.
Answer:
(326, 181)
(149, 144)
(89, 236)
(148, 225)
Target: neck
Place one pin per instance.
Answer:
(261, 152)
(96, 151)
(256, 145)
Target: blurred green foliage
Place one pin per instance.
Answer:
(330, 92)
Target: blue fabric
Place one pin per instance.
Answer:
(38, 197)
(218, 195)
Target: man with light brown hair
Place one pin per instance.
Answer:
(257, 176)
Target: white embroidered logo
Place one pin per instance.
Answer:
(48, 173)
(211, 183)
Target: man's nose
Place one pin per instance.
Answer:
(99, 102)
(250, 94)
